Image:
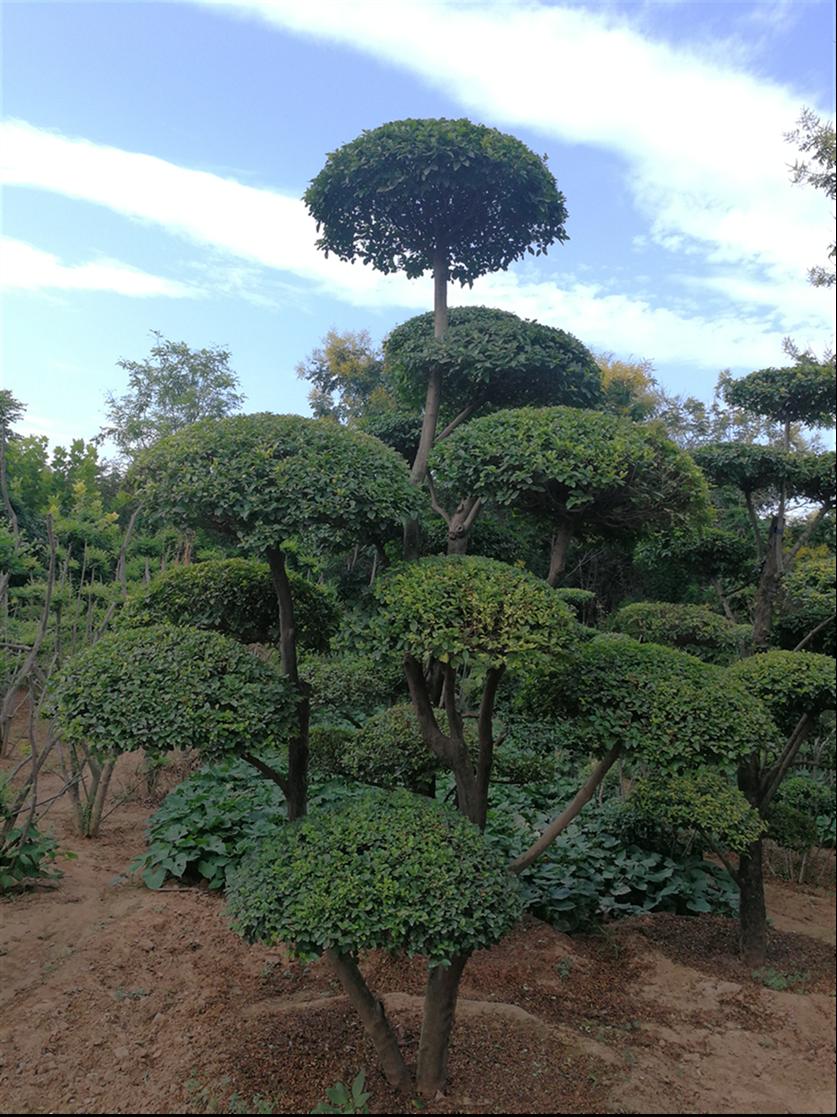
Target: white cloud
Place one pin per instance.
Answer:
(270, 229)
(26, 268)
(702, 140)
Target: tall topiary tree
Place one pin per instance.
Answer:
(265, 479)
(796, 687)
(770, 478)
(390, 872)
(578, 471)
(695, 629)
(469, 618)
(446, 196)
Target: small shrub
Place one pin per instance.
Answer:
(346, 1099)
(28, 854)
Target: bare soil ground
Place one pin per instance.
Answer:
(115, 999)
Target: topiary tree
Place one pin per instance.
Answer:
(264, 480)
(806, 614)
(579, 471)
(388, 751)
(236, 598)
(695, 629)
(392, 872)
(490, 359)
(771, 478)
(655, 705)
(447, 196)
(467, 618)
(161, 688)
(796, 687)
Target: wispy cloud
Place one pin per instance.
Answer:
(702, 140)
(26, 268)
(266, 228)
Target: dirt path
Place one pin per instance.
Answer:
(114, 999)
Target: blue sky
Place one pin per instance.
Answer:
(154, 154)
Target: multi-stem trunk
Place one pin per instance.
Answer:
(433, 396)
(439, 1009)
(297, 784)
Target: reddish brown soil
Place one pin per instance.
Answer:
(115, 999)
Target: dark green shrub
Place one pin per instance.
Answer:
(791, 828)
(235, 597)
(388, 751)
(814, 798)
(351, 687)
(790, 684)
(395, 872)
(28, 854)
(162, 688)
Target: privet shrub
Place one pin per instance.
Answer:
(235, 597)
(394, 872)
(351, 687)
(389, 751)
(790, 684)
(694, 629)
(162, 688)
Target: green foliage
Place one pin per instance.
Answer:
(808, 593)
(162, 688)
(673, 564)
(812, 797)
(491, 359)
(388, 871)
(582, 468)
(804, 392)
(388, 751)
(756, 468)
(400, 430)
(661, 704)
(780, 980)
(465, 609)
(695, 629)
(396, 193)
(235, 597)
(209, 823)
(346, 1099)
(27, 854)
(791, 828)
(593, 875)
(790, 684)
(351, 687)
(581, 601)
(263, 479)
(704, 802)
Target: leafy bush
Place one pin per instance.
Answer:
(791, 828)
(351, 687)
(389, 751)
(235, 597)
(27, 854)
(592, 875)
(388, 871)
(694, 629)
(814, 798)
(162, 688)
(209, 823)
(466, 609)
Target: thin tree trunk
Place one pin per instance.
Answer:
(752, 917)
(485, 736)
(439, 1009)
(558, 554)
(768, 587)
(430, 419)
(297, 784)
(372, 1015)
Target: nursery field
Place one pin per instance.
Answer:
(119, 999)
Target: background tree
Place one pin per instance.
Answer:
(815, 138)
(796, 687)
(176, 386)
(446, 196)
(264, 481)
(346, 377)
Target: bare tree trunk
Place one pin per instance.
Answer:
(752, 918)
(430, 419)
(768, 587)
(297, 784)
(372, 1015)
(558, 554)
(439, 1009)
